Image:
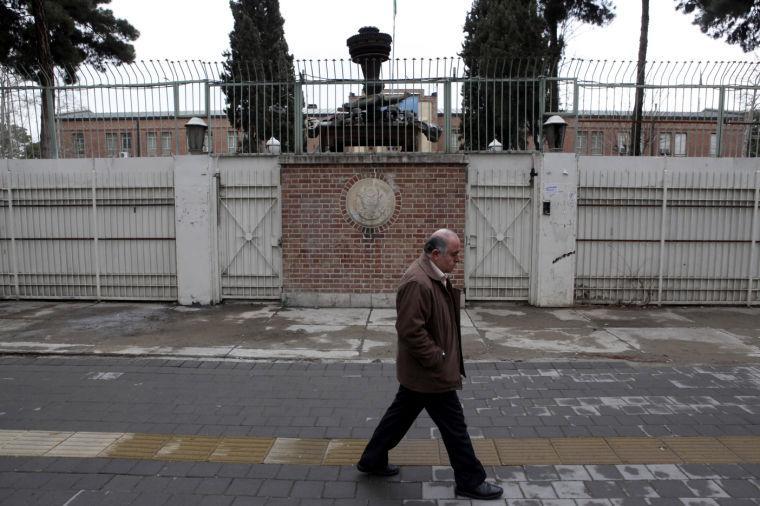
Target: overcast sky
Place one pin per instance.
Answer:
(199, 29)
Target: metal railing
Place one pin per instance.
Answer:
(429, 105)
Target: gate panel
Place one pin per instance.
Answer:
(499, 228)
(88, 229)
(250, 230)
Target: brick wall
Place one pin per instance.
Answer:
(325, 252)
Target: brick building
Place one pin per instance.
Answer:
(102, 135)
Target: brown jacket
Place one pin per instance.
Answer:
(427, 325)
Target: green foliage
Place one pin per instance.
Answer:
(511, 45)
(80, 31)
(558, 12)
(14, 141)
(503, 39)
(738, 21)
(259, 70)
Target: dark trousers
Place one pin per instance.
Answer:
(446, 412)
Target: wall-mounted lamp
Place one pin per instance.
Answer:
(273, 146)
(554, 132)
(495, 145)
(195, 129)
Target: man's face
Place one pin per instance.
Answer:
(447, 261)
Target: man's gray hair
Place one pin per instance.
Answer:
(435, 242)
(439, 240)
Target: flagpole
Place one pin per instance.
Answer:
(393, 41)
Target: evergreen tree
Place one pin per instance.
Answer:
(260, 77)
(558, 12)
(736, 20)
(504, 54)
(40, 38)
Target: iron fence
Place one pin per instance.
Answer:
(427, 104)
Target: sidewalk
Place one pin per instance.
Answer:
(88, 430)
(491, 332)
(586, 406)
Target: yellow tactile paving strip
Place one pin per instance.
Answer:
(424, 452)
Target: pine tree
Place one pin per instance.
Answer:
(504, 53)
(556, 13)
(736, 20)
(259, 76)
(45, 39)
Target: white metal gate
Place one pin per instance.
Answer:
(499, 229)
(88, 229)
(250, 228)
(668, 231)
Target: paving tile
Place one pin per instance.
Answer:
(572, 472)
(705, 488)
(666, 472)
(538, 490)
(571, 489)
(639, 488)
(635, 472)
(636, 450)
(739, 488)
(526, 451)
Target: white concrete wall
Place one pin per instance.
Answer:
(195, 200)
(555, 186)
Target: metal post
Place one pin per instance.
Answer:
(209, 135)
(175, 90)
(448, 148)
(719, 128)
(95, 232)
(753, 245)
(298, 117)
(663, 233)
(576, 100)
(541, 113)
(50, 92)
(12, 233)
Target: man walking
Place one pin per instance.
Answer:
(429, 368)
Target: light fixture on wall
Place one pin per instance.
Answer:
(273, 146)
(495, 145)
(195, 129)
(554, 132)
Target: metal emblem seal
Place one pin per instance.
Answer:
(371, 202)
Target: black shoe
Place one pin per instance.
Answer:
(388, 470)
(484, 491)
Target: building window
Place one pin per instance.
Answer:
(597, 143)
(166, 143)
(78, 142)
(679, 144)
(111, 143)
(581, 141)
(126, 143)
(623, 141)
(232, 141)
(713, 144)
(152, 139)
(665, 145)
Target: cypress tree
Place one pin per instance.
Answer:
(42, 38)
(504, 54)
(259, 76)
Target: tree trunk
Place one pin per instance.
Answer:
(555, 53)
(45, 78)
(640, 73)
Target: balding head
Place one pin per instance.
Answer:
(443, 247)
(439, 240)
